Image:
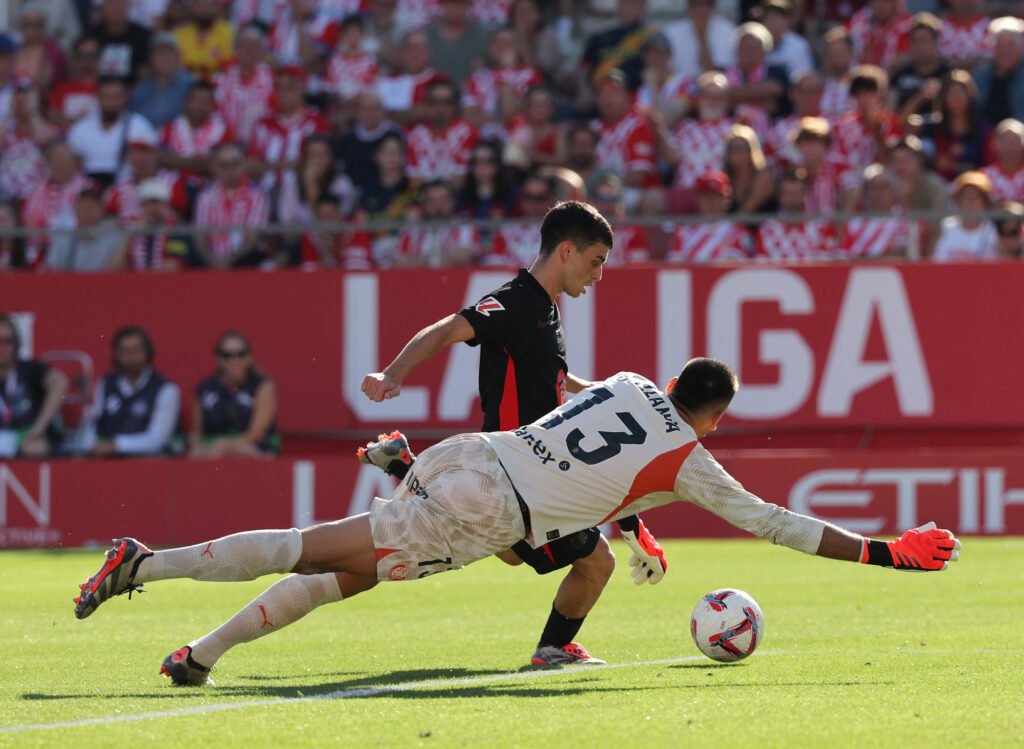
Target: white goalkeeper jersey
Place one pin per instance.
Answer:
(620, 448)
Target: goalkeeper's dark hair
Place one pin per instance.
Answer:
(580, 223)
(704, 384)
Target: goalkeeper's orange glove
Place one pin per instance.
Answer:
(922, 549)
(648, 558)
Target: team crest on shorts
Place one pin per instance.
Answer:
(398, 572)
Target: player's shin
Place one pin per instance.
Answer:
(283, 603)
(241, 556)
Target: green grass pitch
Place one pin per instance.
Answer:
(852, 656)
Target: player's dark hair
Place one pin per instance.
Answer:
(136, 331)
(580, 223)
(703, 384)
(9, 322)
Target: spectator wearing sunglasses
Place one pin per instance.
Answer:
(1010, 231)
(235, 408)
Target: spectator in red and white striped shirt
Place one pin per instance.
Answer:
(880, 33)
(123, 201)
(805, 94)
(75, 97)
(723, 239)
(231, 201)
(861, 136)
(494, 94)
(193, 135)
(877, 235)
(794, 236)
(245, 88)
(631, 242)
(351, 70)
(836, 62)
(825, 176)
(301, 23)
(964, 40)
(439, 148)
(1007, 172)
(277, 139)
(515, 245)
(53, 203)
(628, 144)
(437, 239)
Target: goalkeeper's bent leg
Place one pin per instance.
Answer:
(241, 556)
(283, 603)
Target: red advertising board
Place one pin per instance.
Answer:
(815, 346)
(879, 493)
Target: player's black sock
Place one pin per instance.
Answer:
(559, 631)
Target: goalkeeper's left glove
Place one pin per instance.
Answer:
(648, 558)
(922, 549)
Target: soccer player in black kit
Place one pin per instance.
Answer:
(523, 375)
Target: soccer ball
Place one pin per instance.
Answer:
(727, 625)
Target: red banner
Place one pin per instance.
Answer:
(879, 493)
(815, 346)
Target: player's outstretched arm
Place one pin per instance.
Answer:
(387, 384)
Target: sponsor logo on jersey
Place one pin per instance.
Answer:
(398, 572)
(416, 486)
(487, 305)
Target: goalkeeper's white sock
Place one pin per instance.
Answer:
(283, 603)
(241, 556)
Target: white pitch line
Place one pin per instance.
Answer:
(346, 694)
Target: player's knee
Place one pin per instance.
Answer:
(599, 564)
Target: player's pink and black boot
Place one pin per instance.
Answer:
(116, 576)
(390, 453)
(183, 671)
(570, 654)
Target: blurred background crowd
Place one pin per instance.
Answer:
(166, 134)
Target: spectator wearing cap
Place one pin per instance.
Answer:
(245, 88)
(7, 49)
(160, 97)
(627, 143)
(124, 44)
(52, 204)
(790, 50)
(811, 139)
(621, 47)
(495, 93)
(158, 247)
(190, 138)
(404, 92)
(75, 97)
(143, 163)
(39, 56)
(794, 235)
(1010, 230)
(100, 139)
(884, 233)
(96, 242)
(964, 40)
(300, 26)
(716, 238)
(23, 134)
(439, 148)
(757, 89)
(967, 235)
(1001, 82)
(880, 34)
(1007, 170)
(207, 41)
(231, 200)
(62, 20)
(277, 139)
(916, 84)
(457, 43)
(703, 41)
(836, 63)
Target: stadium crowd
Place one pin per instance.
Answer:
(134, 121)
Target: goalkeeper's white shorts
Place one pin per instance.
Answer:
(455, 506)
